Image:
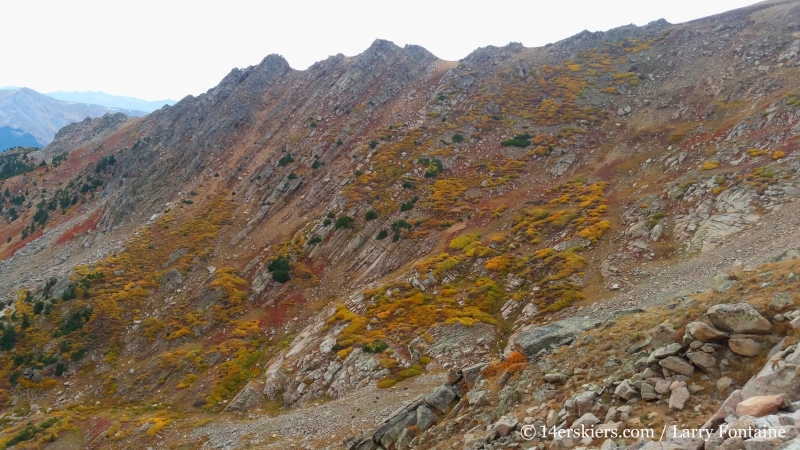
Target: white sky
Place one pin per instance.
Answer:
(156, 49)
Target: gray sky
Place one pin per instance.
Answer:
(155, 49)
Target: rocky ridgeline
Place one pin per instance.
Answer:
(663, 370)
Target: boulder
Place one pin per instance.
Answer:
(781, 302)
(740, 318)
(705, 362)
(677, 364)
(587, 420)
(745, 347)
(625, 391)
(426, 418)
(477, 398)
(732, 443)
(648, 392)
(584, 402)
(471, 373)
(728, 408)
(762, 443)
(530, 339)
(760, 405)
(555, 378)
(441, 398)
(667, 350)
(705, 333)
(721, 282)
(679, 398)
(662, 387)
(394, 431)
(505, 425)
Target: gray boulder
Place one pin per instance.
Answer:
(705, 333)
(678, 365)
(705, 362)
(505, 425)
(679, 398)
(740, 318)
(782, 301)
(530, 339)
(441, 398)
(625, 391)
(426, 418)
(721, 282)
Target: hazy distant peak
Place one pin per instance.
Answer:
(110, 101)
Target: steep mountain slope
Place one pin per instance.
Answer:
(111, 101)
(291, 238)
(41, 116)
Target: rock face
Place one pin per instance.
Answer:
(760, 405)
(739, 318)
(781, 375)
(530, 340)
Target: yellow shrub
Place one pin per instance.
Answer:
(778, 155)
(753, 152)
(593, 232)
(498, 263)
(187, 381)
(246, 329)
(462, 241)
(709, 165)
(386, 383)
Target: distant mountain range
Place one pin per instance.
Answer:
(32, 119)
(110, 101)
(13, 137)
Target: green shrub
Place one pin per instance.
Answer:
(344, 222)
(381, 235)
(520, 140)
(281, 263)
(286, 159)
(457, 138)
(280, 277)
(326, 222)
(279, 267)
(314, 240)
(377, 346)
(292, 175)
(373, 144)
(371, 215)
(434, 168)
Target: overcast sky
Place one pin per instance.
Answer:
(171, 48)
